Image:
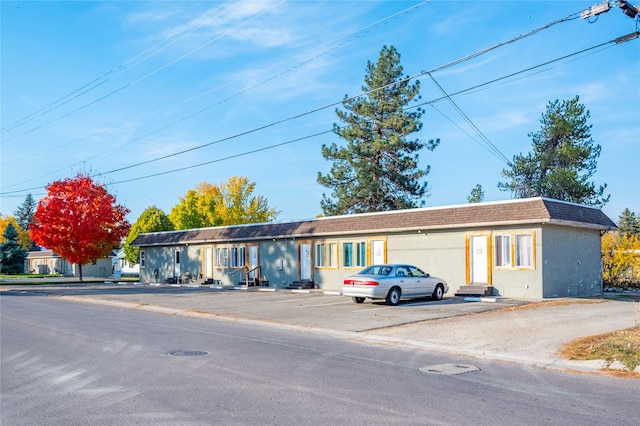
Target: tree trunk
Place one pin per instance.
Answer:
(80, 271)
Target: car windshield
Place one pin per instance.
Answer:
(376, 270)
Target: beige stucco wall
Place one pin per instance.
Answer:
(572, 261)
(566, 260)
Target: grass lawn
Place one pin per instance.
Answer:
(621, 345)
(52, 279)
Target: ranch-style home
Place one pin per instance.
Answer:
(48, 262)
(526, 248)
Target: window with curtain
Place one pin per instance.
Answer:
(502, 250)
(524, 250)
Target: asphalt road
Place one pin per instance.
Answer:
(500, 330)
(65, 362)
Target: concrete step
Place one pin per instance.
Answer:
(473, 289)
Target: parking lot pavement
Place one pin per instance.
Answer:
(306, 309)
(506, 329)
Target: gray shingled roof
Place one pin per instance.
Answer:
(523, 211)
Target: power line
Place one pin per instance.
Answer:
(353, 35)
(463, 59)
(497, 153)
(617, 41)
(108, 95)
(146, 54)
(488, 145)
(242, 154)
(460, 92)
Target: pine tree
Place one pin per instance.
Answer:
(24, 216)
(378, 169)
(12, 255)
(563, 159)
(629, 223)
(476, 195)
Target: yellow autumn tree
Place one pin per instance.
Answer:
(229, 203)
(23, 235)
(620, 259)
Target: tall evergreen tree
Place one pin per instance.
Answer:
(476, 195)
(24, 216)
(24, 212)
(378, 168)
(563, 159)
(629, 223)
(12, 254)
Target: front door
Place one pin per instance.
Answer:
(253, 262)
(305, 262)
(208, 262)
(479, 259)
(176, 263)
(377, 252)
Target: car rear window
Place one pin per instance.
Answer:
(377, 270)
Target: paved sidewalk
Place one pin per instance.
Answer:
(532, 336)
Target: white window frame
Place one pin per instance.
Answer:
(524, 251)
(332, 254)
(225, 257)
(502, 251)
(320, 256)
(241, 253)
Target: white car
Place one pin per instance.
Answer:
(393, 282)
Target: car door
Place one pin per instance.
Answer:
(424, 283)
(405, 280)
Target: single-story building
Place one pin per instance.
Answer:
(123, 265)
(48, 262)
(528, 248)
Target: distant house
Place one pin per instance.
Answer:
(123, 264)
(527, 248)
(48, 262)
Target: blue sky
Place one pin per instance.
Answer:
(102, 86)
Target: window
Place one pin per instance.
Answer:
(320, 255)
(238, 256)
(502, 250)
(225, 257)
(143, 260)
(354, 254)
(347, 255)
(332, 254)
(361, 254)
(524, 250)
(221, 257)
(234, 257)
(217, 258)
(242, 256)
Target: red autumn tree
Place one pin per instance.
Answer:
(79, 220)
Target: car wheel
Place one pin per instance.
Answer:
(438, 293)
(393, 297)
(358, 299)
